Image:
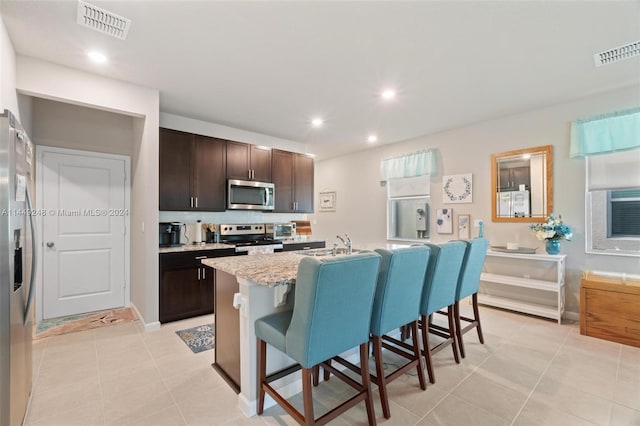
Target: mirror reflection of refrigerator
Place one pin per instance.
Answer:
(514, 204)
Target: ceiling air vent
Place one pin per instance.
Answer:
(103, 21)
(618, 54)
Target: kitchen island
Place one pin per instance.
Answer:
(257, 286)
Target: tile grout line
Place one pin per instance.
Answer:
(613, 402)
(473, 370)
(164, 382)
(540, 379)
(95, 346)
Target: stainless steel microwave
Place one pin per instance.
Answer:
(249, 195)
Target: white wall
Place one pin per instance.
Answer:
(64, 125)
(47, 80)
(199, 127)
(361, 208)
(8, 97)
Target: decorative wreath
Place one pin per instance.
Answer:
(451, 195)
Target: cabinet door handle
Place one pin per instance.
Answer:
(198, 274)
(200, 257)
(249, 171)
(196, 202)
(204, 273)
(191, 202)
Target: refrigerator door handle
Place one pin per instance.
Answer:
(34, 258)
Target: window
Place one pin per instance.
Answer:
(623, 213)
(408, 209)
(613, 203)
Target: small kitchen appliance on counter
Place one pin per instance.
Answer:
(170, 234)
(244, 236)
(281, 231)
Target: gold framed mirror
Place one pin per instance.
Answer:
(522, 185)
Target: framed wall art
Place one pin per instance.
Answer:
(457, 188)
(327, 201)
(444, 221)
(463, 226)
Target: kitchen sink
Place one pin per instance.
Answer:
(326, 252)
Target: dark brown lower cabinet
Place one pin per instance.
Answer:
(227, 330)
(187, 288)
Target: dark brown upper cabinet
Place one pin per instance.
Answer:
(248, 162)
(192, 172)
(293, 179)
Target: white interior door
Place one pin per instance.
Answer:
(84, 209)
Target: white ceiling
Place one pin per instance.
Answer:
(269, 67)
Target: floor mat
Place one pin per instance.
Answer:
(199, 338)
(73, 323)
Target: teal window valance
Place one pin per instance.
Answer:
(415, 164)
(604, 134)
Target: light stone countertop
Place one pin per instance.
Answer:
(194, 247)
(274, 269)
(269, 270)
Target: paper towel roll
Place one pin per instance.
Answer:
(197, 233)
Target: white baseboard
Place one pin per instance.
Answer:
(151, 326)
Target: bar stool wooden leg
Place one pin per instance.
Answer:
(307, 397)
(316, 375)
(476, 314)
(456, 315)
(366, 382)
(382, 382)
(425, 347)
(452, 333)
(416, 350)
(327, 373)
(262, 373)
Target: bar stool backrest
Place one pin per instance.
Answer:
(332, 309)
(469, 280)
(441, 279)
(400, 283)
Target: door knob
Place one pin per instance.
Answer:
(51, 244)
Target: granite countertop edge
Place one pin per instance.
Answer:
(220, 246)
(268, 270)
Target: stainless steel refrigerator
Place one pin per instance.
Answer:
(17, 270)
(514, 204)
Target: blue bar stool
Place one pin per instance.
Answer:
(440, 286)
(397, 304)
(331, 314)
(468, 284)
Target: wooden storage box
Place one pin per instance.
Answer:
(610, 307)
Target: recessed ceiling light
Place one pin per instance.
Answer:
(388, 94)
(317, 122)
(372, 138)
(308, 154)
(97, 57)
(526, 156)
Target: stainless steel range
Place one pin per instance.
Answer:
(249, 238)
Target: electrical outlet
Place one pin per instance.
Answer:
(476, 223)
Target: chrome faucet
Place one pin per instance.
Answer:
(347, 243)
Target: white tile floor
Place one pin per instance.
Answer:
(530, 371)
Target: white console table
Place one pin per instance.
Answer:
(529, 283)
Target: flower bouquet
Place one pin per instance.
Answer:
(552, 231)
